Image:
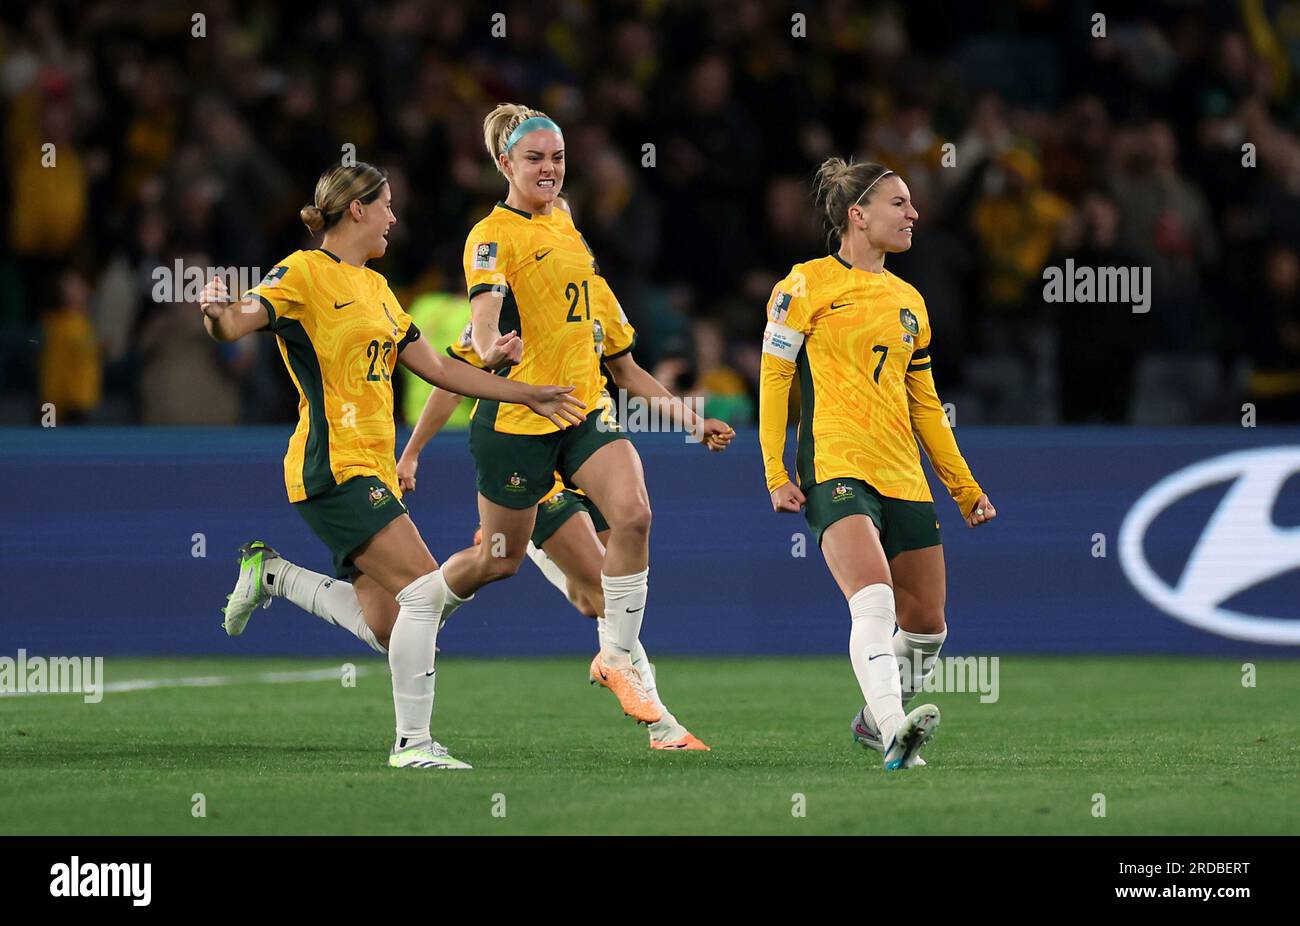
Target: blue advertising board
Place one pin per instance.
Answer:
(118, 541)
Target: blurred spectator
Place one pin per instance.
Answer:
(1274, 384)
(70, 368)
(692, 130)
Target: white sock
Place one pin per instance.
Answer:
(916, 654)
(451, 602)
(553, 573)
(332, 600)
(641, 662)
(872, 653)
(411, 653)
(625, 598)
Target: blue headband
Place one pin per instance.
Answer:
(531, 124)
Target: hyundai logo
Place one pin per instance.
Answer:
(1239, 548)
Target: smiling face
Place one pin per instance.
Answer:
(374, 219)
(888, 217)
(535, 166)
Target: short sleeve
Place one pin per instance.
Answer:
(487, 260)
(402, 321)
(463, 347)
(283, 291)
(619, 335)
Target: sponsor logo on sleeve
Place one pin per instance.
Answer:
(780, 306)
(485, 256)
(272, 279)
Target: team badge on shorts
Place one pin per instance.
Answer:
(379, 495)
(485, 256)
(516, 483)
(909, 321)
(780, 306)
(555, 501)
(841, 492)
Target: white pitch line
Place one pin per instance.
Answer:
(211, 681)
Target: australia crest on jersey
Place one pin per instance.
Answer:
(910, 324)
(485, 256)
(780, 306)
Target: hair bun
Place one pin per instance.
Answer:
(313, 218)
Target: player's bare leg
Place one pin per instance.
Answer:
(613, 478)
(505, 533)
(397, 561)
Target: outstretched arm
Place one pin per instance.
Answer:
(555, 403)
(630, 375)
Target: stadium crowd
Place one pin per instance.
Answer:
(692, 130)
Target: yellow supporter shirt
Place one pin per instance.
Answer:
(339, 329)
(859, 343)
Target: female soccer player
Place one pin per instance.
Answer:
(568, 538)
(859, 337)
(341, 332)
(529, 270)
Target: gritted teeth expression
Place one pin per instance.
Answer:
(537, 165)
(891, 217)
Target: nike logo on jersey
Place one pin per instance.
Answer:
(877, 656)
(343, 305)
(540, 254)
(840, 306)
(634, 610)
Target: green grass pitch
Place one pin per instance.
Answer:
(1174, 745)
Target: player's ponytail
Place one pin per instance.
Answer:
(498, 125)
(335, 191)
(840, 184)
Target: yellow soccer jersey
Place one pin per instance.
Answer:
(859, 343)
(339, 329)
(612, 334)
(551, 295)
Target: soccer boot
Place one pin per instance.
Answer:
(625, 682)
(867, 736)
(250, 590)
(667, 733)
(913, 733)
(431, 754)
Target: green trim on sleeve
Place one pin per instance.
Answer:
(627, 350)
(270, 310)
(412, 334)
(477, 288)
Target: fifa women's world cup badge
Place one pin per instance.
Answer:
(598, 336)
